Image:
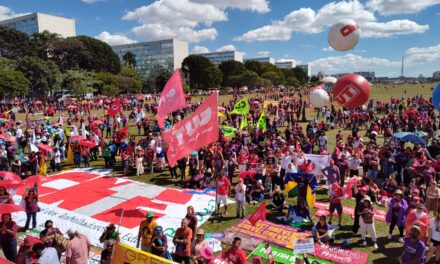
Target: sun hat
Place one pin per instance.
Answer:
(366, 198)
(207, 252)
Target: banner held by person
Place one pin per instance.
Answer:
(125, 254)
(241, 107)
(197, 130)
(115, 108)
(171, 99)
(305, 245)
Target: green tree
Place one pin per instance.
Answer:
(79, 82)
(292, 82)
(314, 79)
(13, 83)
(44, 76)
(129, 59)
(248, 78)
(105, 80)
(68, 53)
(110, 90)
(148, 84)
(162, 79)
(254, 66)
(301, 75)
(7, 63)
(43, 42)
(230, 68)
(275, 77)
(129, 80)
(14, 44)
(100, 56)
(201, 72)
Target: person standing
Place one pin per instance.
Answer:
(146, 230)
(31, 206)
(106, 254)
(434, 239)
(223, 191)
(235, 254)
(182, 241)
(336, 194)
(85, 153)
(332, 173)
(77, 251)
(159, 243)
(192, 218)
(420, 218)
(396, 214)
(366, 221)
(46, 255)
(240, 198)
(140, 161)
(413, 248)
(8, 240)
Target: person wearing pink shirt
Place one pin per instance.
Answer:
(77, 251)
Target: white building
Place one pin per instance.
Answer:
(285, 64)
(436, 76)
(38, 22)
(306, 68)
(219, 57)
(262, 60)
(155, 57)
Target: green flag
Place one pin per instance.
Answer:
(241, 107)
(228, 131)
(243, 122)
(262, 122)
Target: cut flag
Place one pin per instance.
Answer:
(291, 187)
(122, 133)
(114, 108)
(262, 122)
(197, 130)
(258, 215)
(172, 98)
(241, 107)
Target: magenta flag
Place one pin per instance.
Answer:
(172, 98)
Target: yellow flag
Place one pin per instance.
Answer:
(70, 155)
(262, 122)
(241, 107)
(43, 168)
(243, 122)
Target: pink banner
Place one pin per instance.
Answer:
(340, 255)
(171, 99)
(194, 132)
(378, 214)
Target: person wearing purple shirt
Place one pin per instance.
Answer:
(8, 240)
(413, 248)
(396, 214)
(332, 173)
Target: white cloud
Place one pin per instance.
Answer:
(7, 13)
(351, 62)
(115, 39)
(418, 55)
(263, 53)
(91, 1)
(226, 48)
(306, 20)
(328, 49)
(392, 28)
(392, 7)
(199, 50)
(260, 6)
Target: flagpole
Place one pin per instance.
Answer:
(251, 253)
(120, 219)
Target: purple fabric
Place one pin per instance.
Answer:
(413, 250)
(332, 174)
(401, 218)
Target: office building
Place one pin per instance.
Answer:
(436, 76)
(370, 76)
(155, 57)
(285, 64)
(306, 68)
(262, 60)
(219, 57)
(38, 22)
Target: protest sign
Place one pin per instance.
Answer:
(305, 245)
(285, 256)
(126, 254)
(340, 255)
(320, 161)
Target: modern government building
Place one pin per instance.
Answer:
(39, 22)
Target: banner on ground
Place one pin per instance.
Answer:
(280, 235)
(285, 256)
(340, 255)
(171, 99)
(241, 107)
(126, 254)
(89, 200)
(320, 161)
(378, 214)
(247, 242)
(194, 132)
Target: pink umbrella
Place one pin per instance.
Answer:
(87, 143)
(71, 107)
(45, 147)
(35, 179)
(98, 122)
(11, 183)
(10, 208)
(6, 175)
(76, 138)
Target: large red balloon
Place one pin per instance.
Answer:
(352, 90)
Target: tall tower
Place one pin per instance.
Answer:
(401, 69)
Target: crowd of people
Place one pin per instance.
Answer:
(376, 173)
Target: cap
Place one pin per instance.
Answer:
(71, 231)
(207, 252)
(200, 231)
(398, 192)
(30, 241)
(150, 214)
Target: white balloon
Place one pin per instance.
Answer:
(319, 98)
(344, 35)
(329, 79)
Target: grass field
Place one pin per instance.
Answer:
(388, 250)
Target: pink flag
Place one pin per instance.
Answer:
(193, 132)
(171, 99)
(259, 214)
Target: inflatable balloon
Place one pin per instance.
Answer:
(352, 90)
(344, 35)
(436, 97)
(319, 98)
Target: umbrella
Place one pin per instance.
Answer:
(10, 208)
(38, 102)
(409, 137)
(11, 183)
(35, 179)
(98, 122)
(76, 138)
(45, 147)
(8, 175)
(87, 143)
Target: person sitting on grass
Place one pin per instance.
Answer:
(278, 199)
(321, 232)
(298, 213)
(257, 193)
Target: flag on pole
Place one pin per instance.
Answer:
(43, 168)
(291, 187)
(262, 122)
(114, 108)
(228, 131)
(122, 133)
(259, 214)
(241, 107)
(70, 155)
(243, 123)
(171, 99)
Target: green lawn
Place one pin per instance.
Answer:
(388, 250)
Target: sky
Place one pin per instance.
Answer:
(282, 29)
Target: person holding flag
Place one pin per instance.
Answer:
(241, 107)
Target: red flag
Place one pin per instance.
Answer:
(122, 133)
(259, 214)
(171, 99)
(297, 148)
(194, 132)
(114, 108)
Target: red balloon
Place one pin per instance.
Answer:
(352, 90)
